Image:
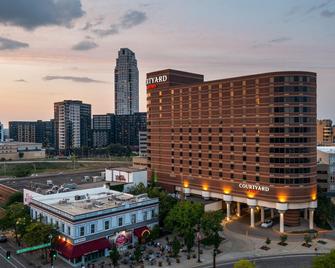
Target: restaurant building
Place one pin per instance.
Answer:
(247, 140)
(90, 221)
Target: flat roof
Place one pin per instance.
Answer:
(127, 169)
(327, 149)
(89, 200)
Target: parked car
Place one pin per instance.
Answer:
(3, 238)
(267, 224)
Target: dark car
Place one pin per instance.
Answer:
(3, 238)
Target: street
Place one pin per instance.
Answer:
(13, 261)
(289, 261)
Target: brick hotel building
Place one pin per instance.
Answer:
(246, 140)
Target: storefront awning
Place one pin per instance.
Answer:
(140, 232)
(70, 251)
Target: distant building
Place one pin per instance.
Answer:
(33, 131)
(72, 125)
(2, 133)
(122, 129)
(90, 221)
(127, 128)
(126, 83)
(129, 176)
(326, 168)
(11, 150)
(324, 129)
(103, 130)
(140, 162)
(142, 135)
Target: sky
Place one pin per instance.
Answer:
(51, 50)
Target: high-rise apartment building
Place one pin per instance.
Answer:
(126, 83)
(103, 130)
(2, 133)
(324, 131)
(72, 124)
(247, 140)
(32, 131)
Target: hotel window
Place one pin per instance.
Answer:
(209, 138)
(199, 155)
(106, 225)
(63, 227)
(231, 166)
(190, 170)
(209, 147)
(221, 174)
(257, 178)
(190, 154)
(199, 171)
(152, 213)
(244, 177)
(257, 158)
(199, 146)
(244, 167)
(210, 173)
(232, 148)
(199, 164)
(220, 165)
(244, 149)
(199, 138)
(231, 139)
(257, 149)
(220, 139)
(199, 130)
(210, 130)
(133, 218)
(92, 228)
(120, 221)
(210, 164)
(190, 146)
(220, 156)
(82, 231)
(145, 215)
(68, 230)
(172, 168)
(180, 169)
(244, 139)
(244, 158)
(231, 175)
(257, 139)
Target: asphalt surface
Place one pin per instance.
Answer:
(288, 261)
(14, 261)
(32, 183)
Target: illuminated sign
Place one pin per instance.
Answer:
(157, 79)
(253, 187)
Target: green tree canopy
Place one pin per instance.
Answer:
(16, 197)
(115, 256)
(183, 217)
(325, 261)
(38, 233)
(244, 264)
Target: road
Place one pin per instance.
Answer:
(287, 261)
(13, 262)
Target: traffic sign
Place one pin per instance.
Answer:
(23, 250)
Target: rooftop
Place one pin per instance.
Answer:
(128, 169)
(90, 200)
(327, 149)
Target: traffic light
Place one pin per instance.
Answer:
(52, 254)
(8, 255)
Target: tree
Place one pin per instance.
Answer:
(325, 211)
(138, 189)
(244, 264)
(138, 253)
(268, 241)
(114, 255)
(154, 234)
(16, 218)
(189, 240)
(16, 197)
(325, 261)
(38, 233)
(211, 227)
(307, 239)
(283, 239)
(183, 217)
(175, 247)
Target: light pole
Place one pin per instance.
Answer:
(52, 256)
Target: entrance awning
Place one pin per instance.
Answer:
(140, 232)
(74, 251)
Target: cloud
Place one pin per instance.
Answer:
(91, 24)
(72, 78)
(9, 44)
(129, 20)
(327, 13)
(280, 40)
(35, 13)
(20, 80)
(85, 45)
(318, 7)
(271, 42)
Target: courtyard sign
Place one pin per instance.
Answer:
(157, 79)
(248, 186)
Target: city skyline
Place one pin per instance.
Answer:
(71, 55)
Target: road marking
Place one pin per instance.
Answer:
(12, 257)
(8, 261)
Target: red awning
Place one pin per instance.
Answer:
(74, 251)
(139, 232)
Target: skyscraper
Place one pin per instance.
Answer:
(2, 133)
(72, 125)
(126, 83)
(324, 131)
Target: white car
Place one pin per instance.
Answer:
(267, 224)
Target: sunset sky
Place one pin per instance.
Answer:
(51, 50)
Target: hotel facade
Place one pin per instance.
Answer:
(247, 140)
